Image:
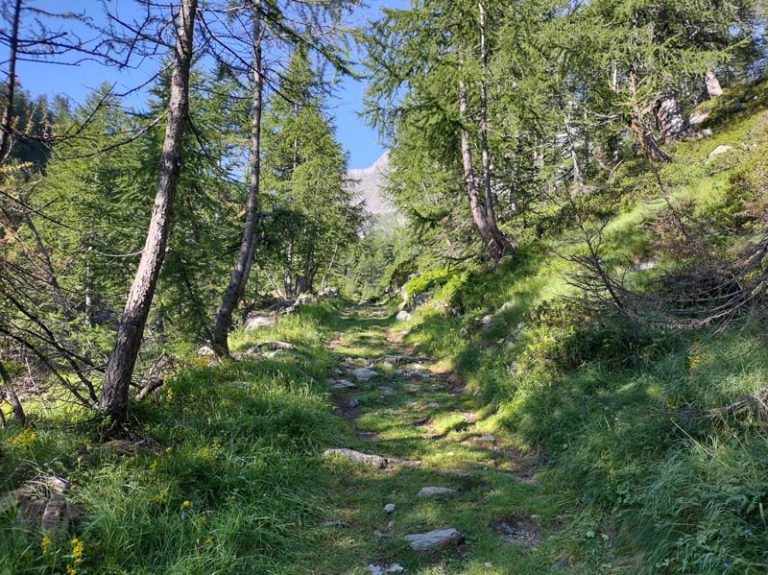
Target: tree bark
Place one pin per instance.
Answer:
(714, 88)
(470, 182)
(6, 124)
(500, 243)
(117, 377)
(672, 123)
(242, 269)
(11, 397)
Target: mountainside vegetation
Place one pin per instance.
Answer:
(551, 359)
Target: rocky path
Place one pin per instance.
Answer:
(425, 484)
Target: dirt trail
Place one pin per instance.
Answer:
(438, 468)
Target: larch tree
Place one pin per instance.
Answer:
(119, 370)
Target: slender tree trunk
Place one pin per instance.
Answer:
(324, 282)
(6, 124)
(714, 88)
(470, 181)
(645, 139)
(117, 377)
(242, 270)
(500, 243)
(672, 123)
(11, 397)
(50, 275)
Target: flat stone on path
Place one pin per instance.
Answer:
(357, 457)
(364, 373)
(432, 491)
(389, 508)
(386, 569)
(341, 384)
(434, 539)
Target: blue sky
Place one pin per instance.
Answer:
(77, 81)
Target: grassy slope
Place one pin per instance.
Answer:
(678, 496)
(232, 480)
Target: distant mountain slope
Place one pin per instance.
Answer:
(368, 183)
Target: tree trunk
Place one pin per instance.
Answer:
(672, 123)
(470, 181)
(11, 397)
(117, 377)
(714, 88)
(6, 124)
(242, 270)
(500, 243)
(645, 139)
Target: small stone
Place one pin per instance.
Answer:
(486, 321)
(206, 351)
(434, 539)
(698, 118)
(335, 524)
(259, 320)
(385, 569)
(403, 315)
(486, 438)
(386, 390)
(357, 457)
(432, 491)
(719, 151)
(353, 403)
(364, 373)
(389, 508)
(488, 565)
(341, 384)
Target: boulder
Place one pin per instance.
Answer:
(432, 491)
(259, 320)
(403, 315)
(357, 457)
(434, 539)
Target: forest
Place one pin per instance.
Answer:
(549, 357)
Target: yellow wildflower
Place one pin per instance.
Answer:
(23, 439)
(693, 362)
(162, 497)
(46, 544)
(153, 466)
(185, 504)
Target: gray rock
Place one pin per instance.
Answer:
(486, 438)
(486, 322)
(403, 315)
(385, 569)
(259, 320)
(719, 151)
(353, 403)
(364, 373)
(357, 457)
(206, 351)
(389, 508)
(336, 524)
(386, 390)
(341, 384)
(698, 118)
(434, 539)
(432, 491)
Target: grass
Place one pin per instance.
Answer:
(587, 444)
